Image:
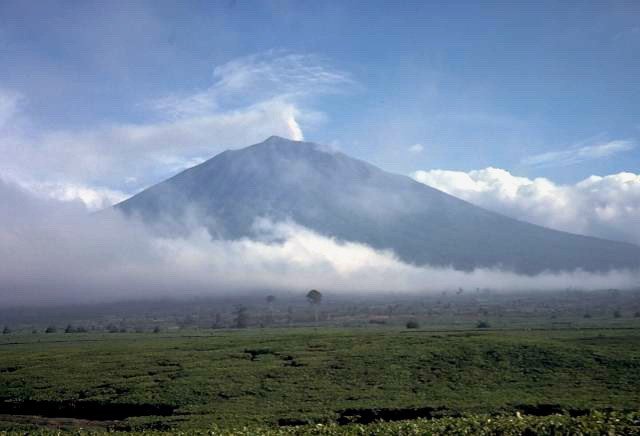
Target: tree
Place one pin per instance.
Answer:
(69, 329)
(217, 324)
(270, 300)
(241, 319)
(289, 315)
(6, 330)
(51, 329)
(314, 298)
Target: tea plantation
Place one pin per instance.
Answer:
(323, 381)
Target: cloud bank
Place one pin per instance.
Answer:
(56, 253)
(608, 207)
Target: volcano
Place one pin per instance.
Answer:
(351, 200)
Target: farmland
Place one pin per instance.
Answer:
(280, 378)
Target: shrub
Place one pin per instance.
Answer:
(51, 329)
(483, 325)
(255, 352)
(112, 328)
(413, 324)
(377, 321)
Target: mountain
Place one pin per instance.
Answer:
(351, 200)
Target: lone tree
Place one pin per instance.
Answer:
(315, 298)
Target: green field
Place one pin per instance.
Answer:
(279, 378)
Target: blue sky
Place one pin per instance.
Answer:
(544, 89)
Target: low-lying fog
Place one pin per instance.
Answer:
(58, 253)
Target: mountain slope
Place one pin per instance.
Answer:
(349, 199)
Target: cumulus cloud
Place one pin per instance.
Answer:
(578, 154)
(608, 207)
(93, 198)
(250, 99)
(56, 253)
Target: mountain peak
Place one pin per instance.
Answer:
(276, 141)
(276, 138)
(282, 145)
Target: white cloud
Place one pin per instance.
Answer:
(416, 148)
(607, 207)
(56, 253)
(250, 99)
(94, 198)
(115, 152)
(576, 155)
(261, 77)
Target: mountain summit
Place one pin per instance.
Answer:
(351, 200)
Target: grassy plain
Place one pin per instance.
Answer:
(276, 378)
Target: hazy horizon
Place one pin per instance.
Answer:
(525, 110)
